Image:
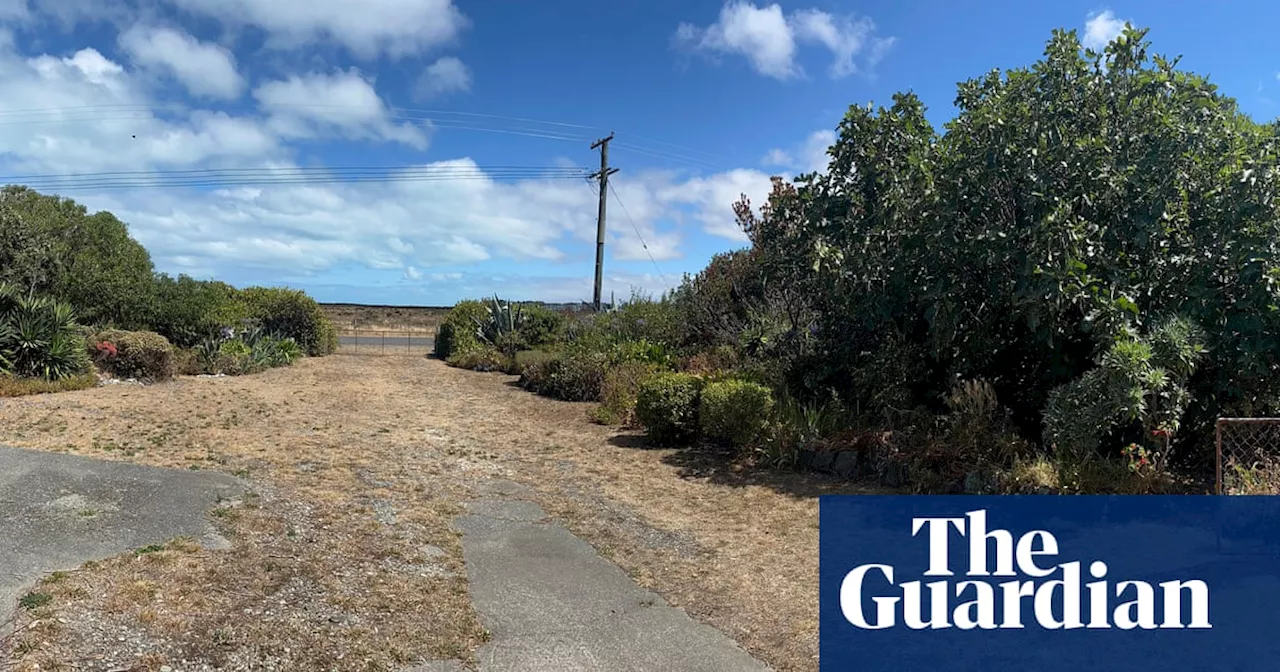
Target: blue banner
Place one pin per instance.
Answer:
(1045, 583)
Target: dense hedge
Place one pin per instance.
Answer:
(291, 313)
(144, 355)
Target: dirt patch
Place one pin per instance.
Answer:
(398, 318)
(346, 555)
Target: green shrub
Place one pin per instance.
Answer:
(736, 412)
(479, 358)
(536, 368)
(577, 375)
(618, 392)
(39, 338)
(667, 407)
(457, 332)
(186, 310)
(144, 355)
(541, 326)
(291, 313)
(527, 358)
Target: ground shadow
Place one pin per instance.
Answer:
(724, 467)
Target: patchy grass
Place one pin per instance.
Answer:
(317, 578)
(11, 386)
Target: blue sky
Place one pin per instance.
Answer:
(707, 99)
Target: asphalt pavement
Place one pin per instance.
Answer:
(553, 604)
(59, 511)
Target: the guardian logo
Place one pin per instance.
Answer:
(1052, 596)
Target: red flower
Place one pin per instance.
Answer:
(106, 349)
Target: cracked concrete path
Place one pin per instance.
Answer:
(552, 603)
(59, 511)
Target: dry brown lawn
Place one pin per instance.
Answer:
(343, 556)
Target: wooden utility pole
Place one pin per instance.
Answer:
(603, 177)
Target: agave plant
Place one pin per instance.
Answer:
(39, 337)
(502, 322)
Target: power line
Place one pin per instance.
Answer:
(470, 121)
(637, 230)
(294, 175)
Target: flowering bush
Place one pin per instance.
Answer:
(106, 350)
(1140, 459)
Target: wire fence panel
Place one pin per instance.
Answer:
(403, 342)
(1248, 454)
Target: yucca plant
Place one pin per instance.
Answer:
(39, 337)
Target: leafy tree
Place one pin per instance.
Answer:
(51, 246)
(1068, 209)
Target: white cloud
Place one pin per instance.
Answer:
(446, 75)
(368, 27)
(1100, 29)
(770, 39)
(204, 69)
(305, 106)
(809, 156)
(417, 230)
(59, 118)
(777, 157)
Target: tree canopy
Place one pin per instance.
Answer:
(1093, 212)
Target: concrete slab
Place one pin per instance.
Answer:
(552, 603)
(59, 511)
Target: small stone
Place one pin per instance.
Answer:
(166, 668)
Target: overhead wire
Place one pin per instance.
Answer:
(293, 175)
(454, 119)
(637, 230)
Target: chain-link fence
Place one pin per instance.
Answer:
(1248, 456)
(404, 341)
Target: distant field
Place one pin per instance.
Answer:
(350, 317)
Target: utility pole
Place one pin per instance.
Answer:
(603, 176)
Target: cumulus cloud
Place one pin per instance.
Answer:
(204, 69)
(417, 232)
(1101, 28)
(367, 28)
(447, 75)
(808, 156)
(770, 39)
(303, 106)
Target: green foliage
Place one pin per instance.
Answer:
(39, 337)
(713, 305)
(480, 358)
(541, 326)
(187, 311)
(457, 331)
(144, 355)
(667, 407)
(247, 351)
(502, 326)
(619, 389)
(735, 412)
(1068, 205)
(1138, 385)
(291, 313)
(51, 246)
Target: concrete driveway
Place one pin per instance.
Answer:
(59, 511)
